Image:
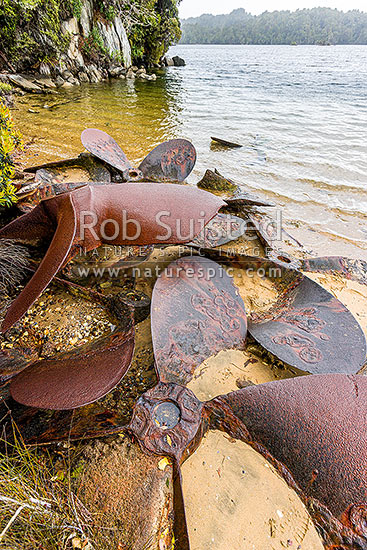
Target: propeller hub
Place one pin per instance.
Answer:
(167, 420)
(133, 174)
(166, 415)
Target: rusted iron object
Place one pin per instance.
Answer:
(214, 181)
(167, 421)
(306, 327)
(311, 330)
(170, 161)
(239, 200)
(266, 233)
(154, 214)
(354, 270)
(219, 231)
(106, 260)
(225, 143)
(55, 178)
(317, 427)
(313, 428)
(77, 378)
(196, 312)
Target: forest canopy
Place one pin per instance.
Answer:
(308, 26)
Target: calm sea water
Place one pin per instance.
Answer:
(300, 113)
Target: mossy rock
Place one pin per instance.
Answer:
(214, 181)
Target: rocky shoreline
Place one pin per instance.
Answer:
(45, 82)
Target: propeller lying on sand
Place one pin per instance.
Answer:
(90, 216)
(172, 160)
(313, 429)
(196, 312)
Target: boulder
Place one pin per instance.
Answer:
(94, 74)
(24, 83)
(178, 61)
(83, 77)
(67, 74)
(130, 73)
(141, 71)
(67, 85)
(74, 81)
(168, 61)
(59, 81)
(45, 69)
(46, 82)
(114, 72)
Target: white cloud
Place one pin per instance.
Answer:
(194, 8)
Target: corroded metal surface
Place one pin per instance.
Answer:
(355, 270)
(161, 214)
(219, 231)
(317, 427)
(172, 160)
(167, 420)
(107, 260)
(267, 234)
(196, 312)
(76, 378)
(307, 327)
(104, 147)
(55, 178)
(310, 329)
(237, 201)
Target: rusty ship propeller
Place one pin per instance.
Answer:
(312, 429)
(172, 160)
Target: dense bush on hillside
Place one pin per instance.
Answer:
(311, 26)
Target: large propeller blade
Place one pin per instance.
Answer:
(306, 326)
(172, 160)
(77, 378)
(104, 147)
(196, 312)
(311, 330)
(316, 426)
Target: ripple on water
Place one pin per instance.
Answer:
(300, 114)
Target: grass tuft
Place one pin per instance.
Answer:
(38, 509)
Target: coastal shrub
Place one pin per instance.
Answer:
(5, 88)
(93, 46)
(10, 142)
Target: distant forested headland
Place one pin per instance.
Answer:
(308, 26)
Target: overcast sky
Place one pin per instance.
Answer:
(193, 8)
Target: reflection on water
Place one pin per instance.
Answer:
(139, 115)
(300, 113)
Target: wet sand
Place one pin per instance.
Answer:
(236, 500)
